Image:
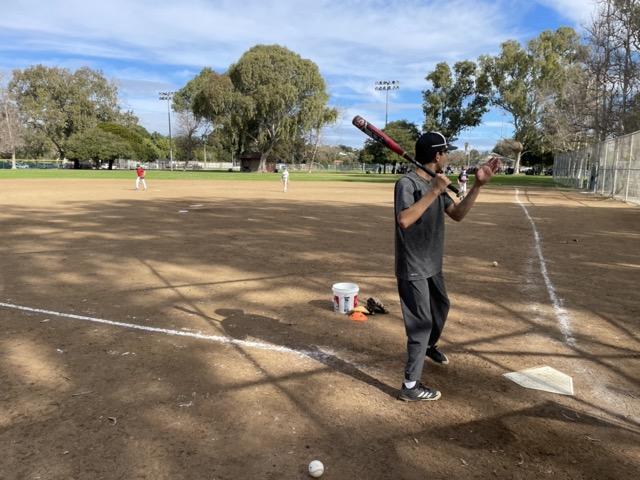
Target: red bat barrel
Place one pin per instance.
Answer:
(384, 139)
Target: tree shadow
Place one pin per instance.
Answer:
(243, 326)
(124, 257)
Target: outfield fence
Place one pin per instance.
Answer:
(610, 168)
(31, 163)
(229, 166)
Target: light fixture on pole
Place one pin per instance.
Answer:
(387, 85)
(168, 96)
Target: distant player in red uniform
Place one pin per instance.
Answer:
(140, 178)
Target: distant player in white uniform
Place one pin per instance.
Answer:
(462, 183)
(285, 179)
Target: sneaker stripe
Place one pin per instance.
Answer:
(417, 393)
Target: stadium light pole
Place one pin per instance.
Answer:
(386, 85)
(168, 96)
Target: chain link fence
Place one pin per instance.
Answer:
(229, 166)
(610, 168)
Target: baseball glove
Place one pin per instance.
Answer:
(374, 305)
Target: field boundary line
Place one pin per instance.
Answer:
(314, 354)
(562, 315)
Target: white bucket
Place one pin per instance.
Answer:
(345, 297)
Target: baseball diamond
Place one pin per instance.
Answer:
(97, 282)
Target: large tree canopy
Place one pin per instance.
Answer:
(110, 141)
(140, 143)
(97, 145)
(271, 101)
(281, 96)
(530, 82)
(212, 97)
(455, 100)
(60, 103)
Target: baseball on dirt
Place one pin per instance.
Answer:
(495, 264)
(316, 468)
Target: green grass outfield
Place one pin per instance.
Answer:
(497, 181)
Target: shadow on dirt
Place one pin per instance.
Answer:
(191, 409)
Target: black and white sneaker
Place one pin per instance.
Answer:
(417, 393)
(437, 356)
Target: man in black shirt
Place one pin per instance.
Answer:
(420, 204)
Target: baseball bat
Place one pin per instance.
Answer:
(384, 139)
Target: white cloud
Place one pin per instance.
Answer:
(367, 39)
(578, 11)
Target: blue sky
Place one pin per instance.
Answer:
(149, 46)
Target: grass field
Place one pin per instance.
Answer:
(497, 181)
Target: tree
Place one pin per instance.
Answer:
(562, 85)
(614, 66)
(59, 103)
(188, 139)
(626, 58)
(161, 144)
(35, 145)
(567, 122)
(11, 129)
(281, 96)
(214, 98)
(323, 117)
(527, 82)
(632, 117)
(137, 138)
(191, 109)
(509, 148)
(512, 76)
(331, 154)
(97, 145)
(455, 101)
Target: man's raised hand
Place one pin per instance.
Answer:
(486, 171)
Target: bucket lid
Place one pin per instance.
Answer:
(346, 287)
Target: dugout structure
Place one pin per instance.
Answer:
(610, 168)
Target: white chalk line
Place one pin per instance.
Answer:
(314, 354)
(561, 314)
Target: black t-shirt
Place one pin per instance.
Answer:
(419, 248)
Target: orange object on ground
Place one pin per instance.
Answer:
(358, 317)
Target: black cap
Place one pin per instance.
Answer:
(431, 142)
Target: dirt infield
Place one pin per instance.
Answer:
(251, 269)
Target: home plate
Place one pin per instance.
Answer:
(543, 378)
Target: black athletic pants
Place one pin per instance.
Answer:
(425, 306)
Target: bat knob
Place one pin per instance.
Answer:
(358, 121)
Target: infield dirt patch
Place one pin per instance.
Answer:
(247, 262)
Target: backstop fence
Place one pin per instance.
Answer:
(610, 168)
